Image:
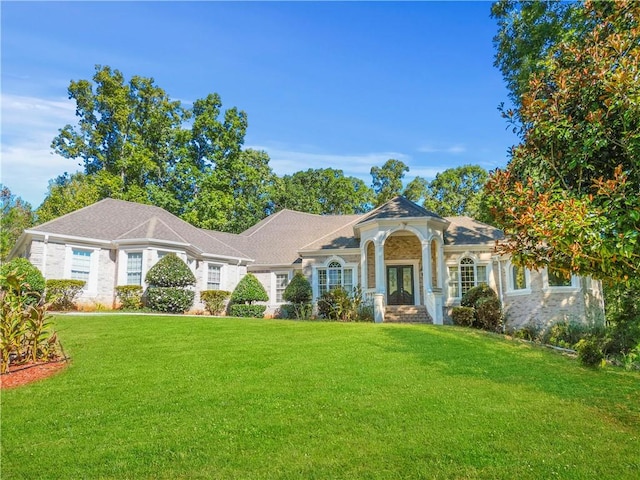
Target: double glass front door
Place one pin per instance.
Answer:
(400, 285)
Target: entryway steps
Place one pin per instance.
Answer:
(407, 314)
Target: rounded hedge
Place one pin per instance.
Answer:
(170, 299)
(298, 290)
(170, 271)
(249, 290)
(33, 281)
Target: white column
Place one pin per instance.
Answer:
(380, 274)
(426, 266)
(364, 281)
(378, 307)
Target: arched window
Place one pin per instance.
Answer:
(334, 276)
(464, 276)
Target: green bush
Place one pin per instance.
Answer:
(488, 313)
(32, 280)
(25, 329)
(338, 304)
(170, 299)
(590, 351)
(530, 331)
(167, 279)
(463, 316)
(565, 333)
(486, 305)
(299, 294)
(474, 294)
(249, 290)
(61, 293)
(246, 310)
(214, 300)
(130, 296)
(170, 271)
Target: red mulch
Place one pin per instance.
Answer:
(22, 374)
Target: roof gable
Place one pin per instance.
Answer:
(398, 207)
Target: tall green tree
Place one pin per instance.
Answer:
(17, 215)
(457, 191)
(571, 191)
(235, 194)
(323, 191)
(71, 192)
(125, 129)
(387, 180)
(527, 32)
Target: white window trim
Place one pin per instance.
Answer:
(476, 263)
(205, 275)
(122, 264)
(91, 287)
(573, 288)
(527, 278)
(274, 277)
(315, 284)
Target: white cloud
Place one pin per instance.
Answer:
(28, 126)
(450, 150)
(286, 161)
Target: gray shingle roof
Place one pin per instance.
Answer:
(398, 207)
(117, 220)
(276, 240)
(467, 231)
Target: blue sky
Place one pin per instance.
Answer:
(324, 84)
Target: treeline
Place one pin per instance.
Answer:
(135, 143)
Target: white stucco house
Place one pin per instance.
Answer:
(411, 263)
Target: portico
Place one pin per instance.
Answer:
(402, 257)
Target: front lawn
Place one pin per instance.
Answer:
(202, 397)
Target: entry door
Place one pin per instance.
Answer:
(400, 285)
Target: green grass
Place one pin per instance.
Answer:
(198, 397)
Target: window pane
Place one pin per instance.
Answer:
(213, 277)
(80, 264)
(348, 279)
(518, 278)
(557, 279)
(281, 284)
(467, 275)
(482, 274)
(134, 268)
(454, 291)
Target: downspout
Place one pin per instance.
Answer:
(500, 292)
(44, 255)
(115, 277)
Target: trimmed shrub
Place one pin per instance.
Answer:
(170, 271)
(249, 290)
(214, 300)
(474, 294)
(61, 293)
(167, 279)
(488, 313)
(463, 316)
(299, 294)
(486, 305)
(246, 310)
(32, 281)
(590, 351)
(130, 296)
(170, 299)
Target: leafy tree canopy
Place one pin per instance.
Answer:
(323, 191)
(571, 191)
(17, 215)
(387, 180)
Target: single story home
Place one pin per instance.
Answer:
(412, 264)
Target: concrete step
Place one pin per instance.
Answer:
(407, 314)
